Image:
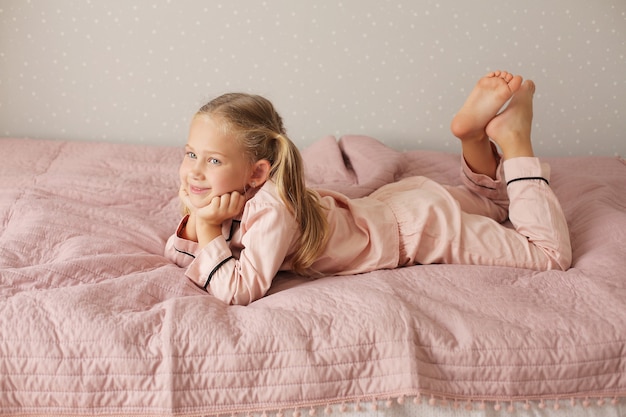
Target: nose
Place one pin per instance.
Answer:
(196, 171)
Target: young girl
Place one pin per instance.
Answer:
(250, 215)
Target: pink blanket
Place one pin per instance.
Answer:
(94, 320)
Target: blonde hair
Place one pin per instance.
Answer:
(259, 128)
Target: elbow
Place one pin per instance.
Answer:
(561, 260)
(235, 294)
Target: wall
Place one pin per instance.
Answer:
(135, 71)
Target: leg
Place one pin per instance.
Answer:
(534, 210)
(482, 105)
(541, 237)
(434, 229)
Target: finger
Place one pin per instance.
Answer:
(230, 203)
(224, 201)
(237, 202)
(216, 202)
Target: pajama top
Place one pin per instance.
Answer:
(412, 221)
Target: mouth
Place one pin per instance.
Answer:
(198, 190)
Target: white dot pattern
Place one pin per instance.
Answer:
(136, 70)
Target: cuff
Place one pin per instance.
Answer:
(526, 168)
(209, 261)
(180, 250)
(494, 189)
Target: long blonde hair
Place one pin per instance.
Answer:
(259, 128)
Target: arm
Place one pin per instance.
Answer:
(179, 248)
(188, 230)
(201, 226)
(209, 219)
(205, 223)
(268, 234)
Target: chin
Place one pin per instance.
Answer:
(199, 200)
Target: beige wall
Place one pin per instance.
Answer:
(135, 70)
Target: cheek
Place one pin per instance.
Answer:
(182, 173)
(222, 184)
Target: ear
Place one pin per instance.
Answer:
(260, 173)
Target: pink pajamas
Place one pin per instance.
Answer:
(460, 225)
(415, 220)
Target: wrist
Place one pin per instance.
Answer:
(187, 229)
(207, 232)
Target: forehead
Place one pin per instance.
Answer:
(207, 133)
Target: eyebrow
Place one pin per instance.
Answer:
(210, 152)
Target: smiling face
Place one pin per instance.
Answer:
(214, 162)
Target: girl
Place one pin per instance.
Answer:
(248, 213)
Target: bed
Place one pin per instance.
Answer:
(94, 320)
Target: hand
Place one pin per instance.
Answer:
(205, 223)
(221, 208)
(188, 208)
(209, 219)
(217, 209)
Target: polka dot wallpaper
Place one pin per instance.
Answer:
(136, 70)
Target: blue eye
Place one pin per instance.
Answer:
(191, 155)
(214, 161)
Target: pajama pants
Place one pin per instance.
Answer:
(463, 224)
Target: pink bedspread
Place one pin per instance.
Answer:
(94, 320)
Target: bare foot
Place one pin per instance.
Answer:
(511, 128)
(483, 103)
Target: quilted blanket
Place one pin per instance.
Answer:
(94, 320)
